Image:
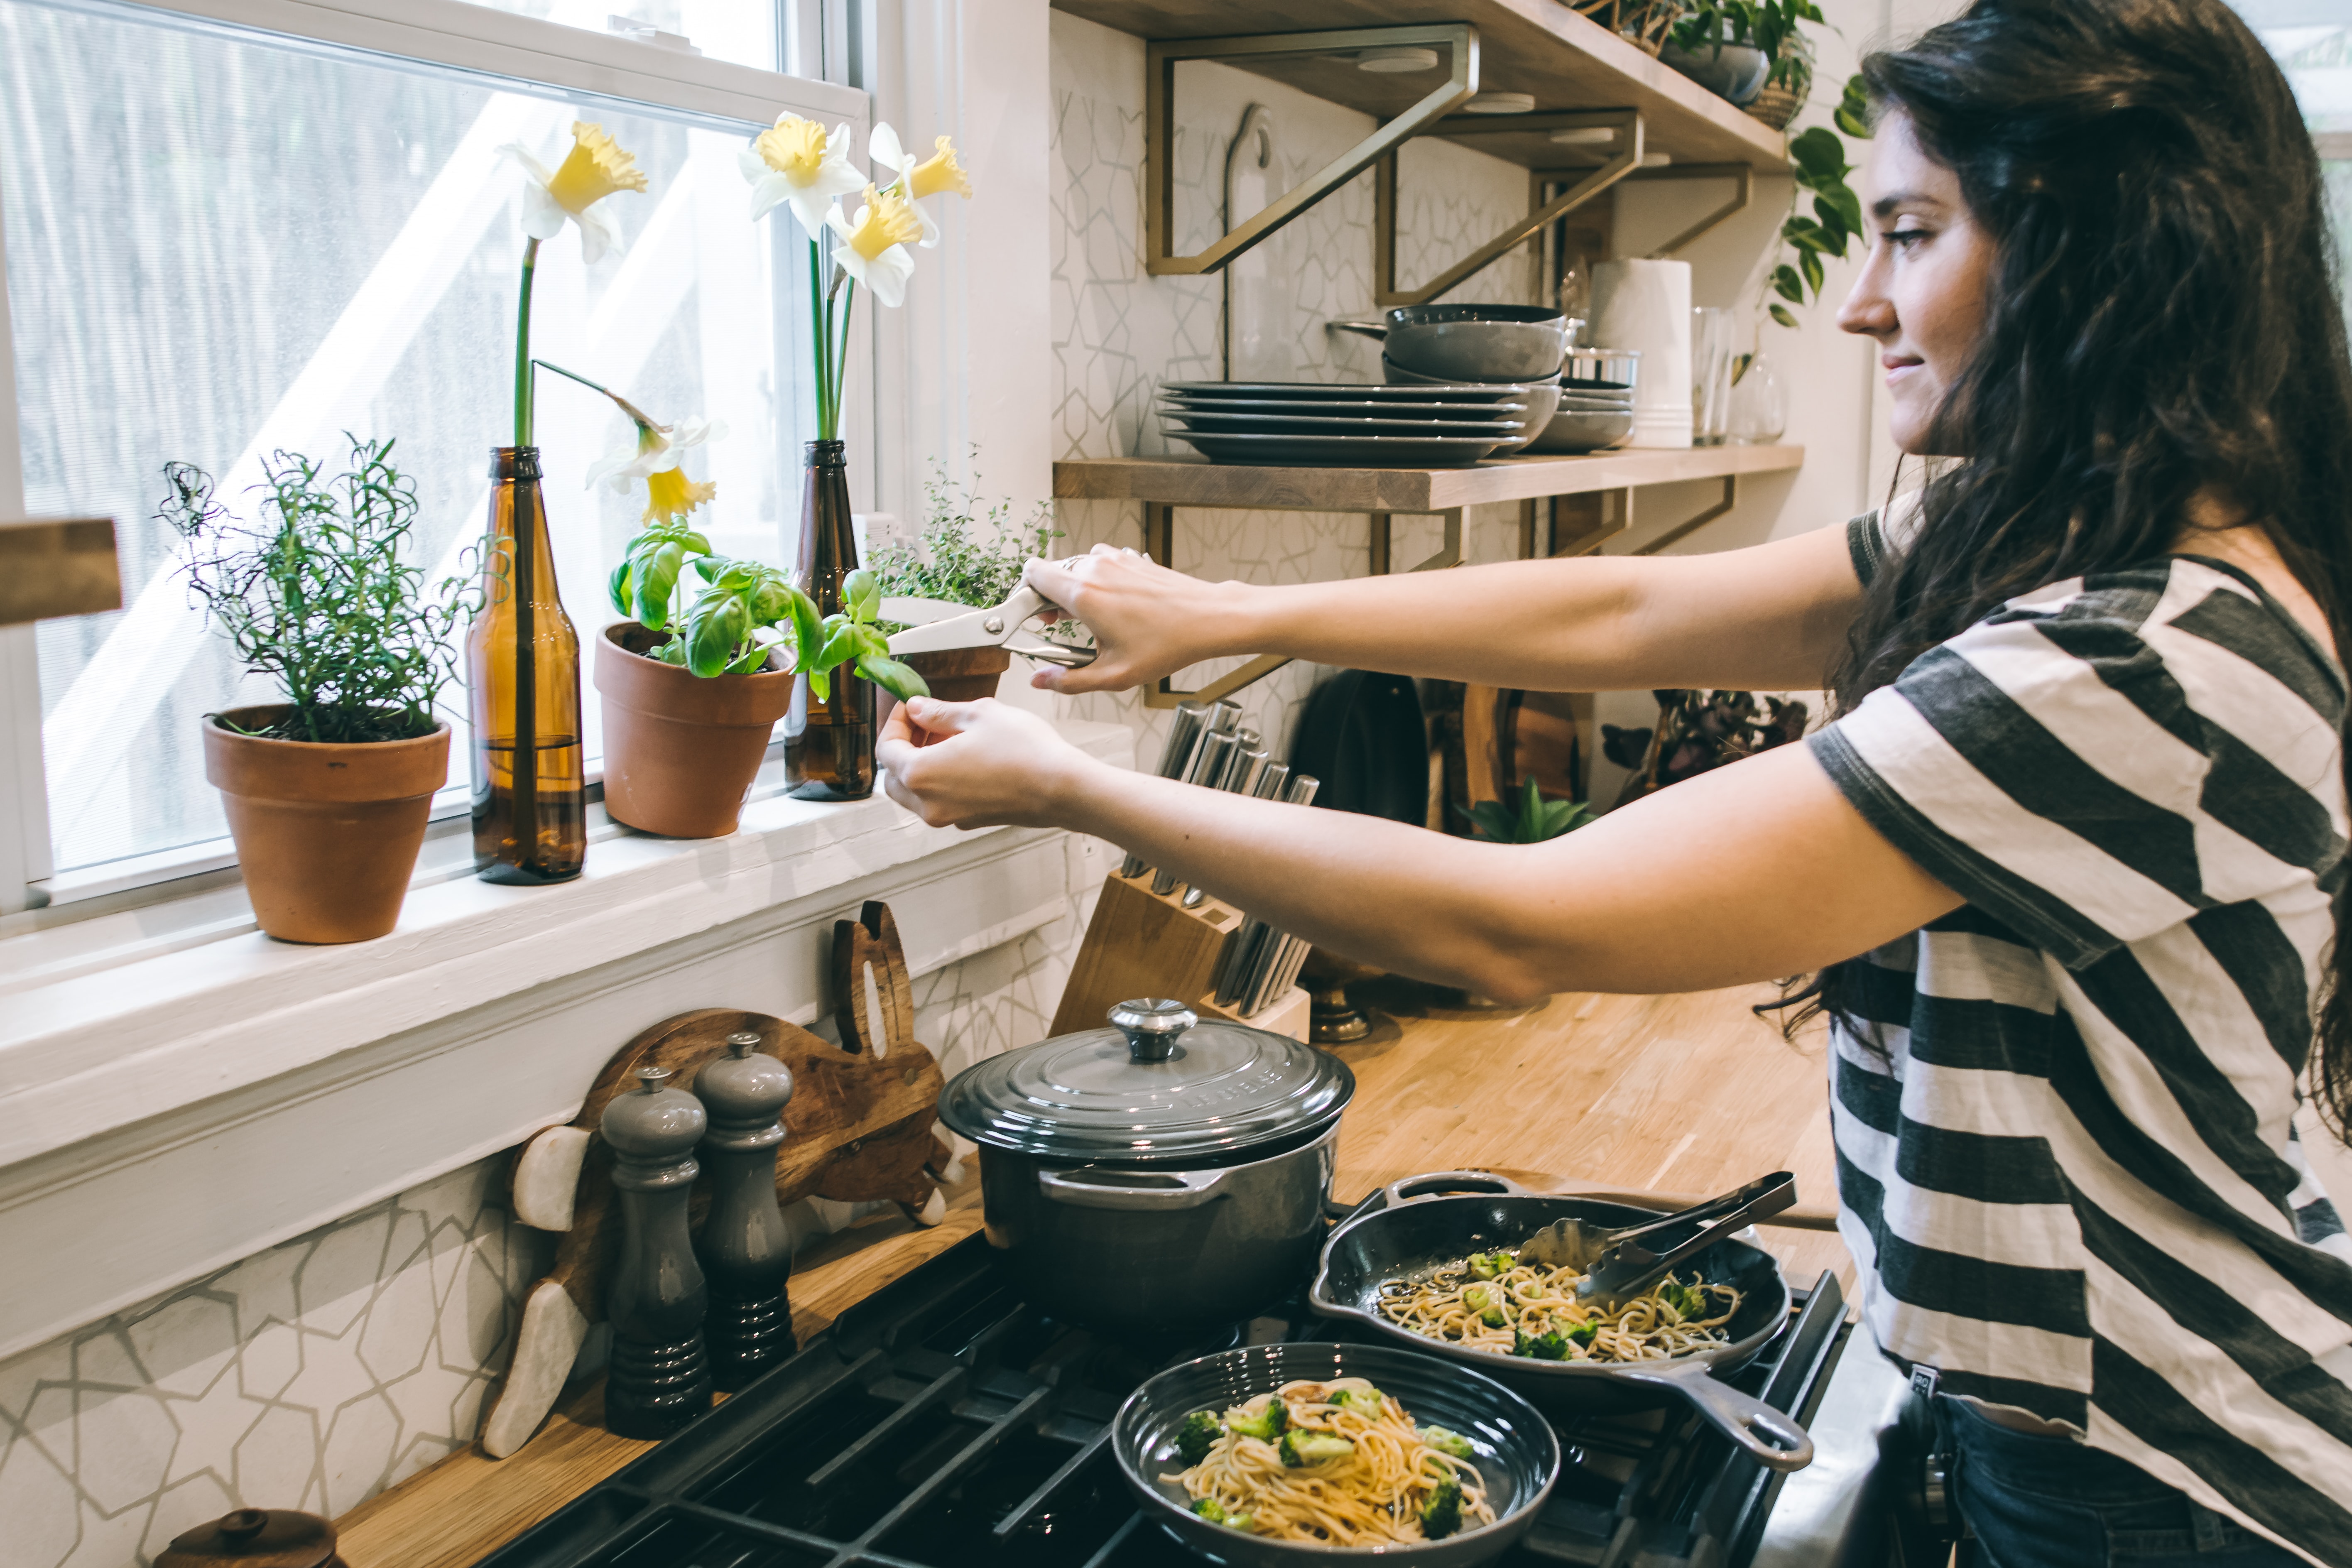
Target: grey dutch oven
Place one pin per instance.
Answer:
(1164, 1176)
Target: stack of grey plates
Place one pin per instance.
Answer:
(1316, 424)
(1596, 401)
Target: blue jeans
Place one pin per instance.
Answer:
(2052, 1502)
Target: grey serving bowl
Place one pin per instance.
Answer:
(1583, 430)
(1476, 343)
(1517, 1456)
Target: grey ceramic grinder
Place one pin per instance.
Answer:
(660, 1375)
(743, 1246)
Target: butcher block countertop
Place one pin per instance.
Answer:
(1689, 1094)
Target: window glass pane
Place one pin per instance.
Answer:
(2312, 42)
(741, 31)
(220, 247)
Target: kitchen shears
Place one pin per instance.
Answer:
(935, 625)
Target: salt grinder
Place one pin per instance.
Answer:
(660, 1375)
(744, 1246)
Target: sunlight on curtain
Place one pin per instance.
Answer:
(218, 249)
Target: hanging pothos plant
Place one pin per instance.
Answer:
(1819, 165)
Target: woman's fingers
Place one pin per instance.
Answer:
(971, 764)
(1147, 620)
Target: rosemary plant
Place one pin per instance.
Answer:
(320, 596)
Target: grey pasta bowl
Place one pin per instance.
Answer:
(1517, 1453)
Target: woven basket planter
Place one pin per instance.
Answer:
(1643, 22)
(1776, 106)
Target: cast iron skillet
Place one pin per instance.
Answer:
(1410, 1235)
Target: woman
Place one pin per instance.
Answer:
(2069, 861)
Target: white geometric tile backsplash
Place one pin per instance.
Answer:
(316, 1374)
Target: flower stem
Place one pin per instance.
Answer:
(841, 359)
(817, 313)
(522, 347)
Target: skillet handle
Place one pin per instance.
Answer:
(1769, 1438)
(1432, 1184)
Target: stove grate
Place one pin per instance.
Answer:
(942, 1424)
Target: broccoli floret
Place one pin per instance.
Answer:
(1212, 1510)
(1446, 1442)
(1485, 1303)
(1301, 1449)
(1488, 1265)
(1246, 1522)
(1267, 1424)
(1371, 1401)
(1683, 1298)
(1441, 1516)
(1582, 1335)
(1546, 1346)
(1197, 1435)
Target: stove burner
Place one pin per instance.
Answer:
(942, 1424)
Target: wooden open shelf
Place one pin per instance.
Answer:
(1194, 482)
(1539, 47)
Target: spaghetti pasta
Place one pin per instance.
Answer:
(1334, 1464)
(1491, 1302)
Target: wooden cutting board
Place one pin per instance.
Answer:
(857, 1129)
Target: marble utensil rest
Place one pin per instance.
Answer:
(745, 1249)
(655, 1299)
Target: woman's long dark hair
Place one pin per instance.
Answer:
(2162, 318)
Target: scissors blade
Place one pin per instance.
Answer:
(922, 612)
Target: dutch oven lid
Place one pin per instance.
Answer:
(1160, 1087)
(256, 1538)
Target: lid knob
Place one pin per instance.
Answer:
(1152, 1026)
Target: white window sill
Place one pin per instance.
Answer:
(194, 1091)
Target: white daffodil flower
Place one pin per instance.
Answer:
(595, 168)
(654, 450)
(873, 248)
(794, 161)
(918, 179)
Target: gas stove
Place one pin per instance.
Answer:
(944, 1424)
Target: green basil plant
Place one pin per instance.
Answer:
(743, 610)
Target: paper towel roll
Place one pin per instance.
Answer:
(1647, 305)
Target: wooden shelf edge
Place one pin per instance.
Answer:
(1194, 482)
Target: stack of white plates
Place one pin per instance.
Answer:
(1316, 424)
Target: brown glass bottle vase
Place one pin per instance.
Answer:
(522, 676)
(828, 741)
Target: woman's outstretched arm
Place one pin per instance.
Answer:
(1770, 617)
(1749, 872)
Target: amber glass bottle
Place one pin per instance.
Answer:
(522, 674)
(829, 744)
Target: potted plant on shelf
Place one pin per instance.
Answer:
(963, 557)
(1749, 51)
(327, 792)
(692, 683)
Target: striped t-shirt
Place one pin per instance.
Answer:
(2068, 1173)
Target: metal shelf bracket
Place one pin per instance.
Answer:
(1588, 183)
(1744, 178)
(1160, 59)
(1160, 543)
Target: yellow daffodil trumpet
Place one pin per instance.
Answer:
(939, 174)
(794, 162)
(874, 243)
(670, 494)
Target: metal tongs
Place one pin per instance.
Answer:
(1616, 1266)
(934, 625)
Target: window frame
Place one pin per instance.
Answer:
(502, 47)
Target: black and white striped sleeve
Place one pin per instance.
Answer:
(2049, 766)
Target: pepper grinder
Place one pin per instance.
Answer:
(744, 1246)
(660, 1375)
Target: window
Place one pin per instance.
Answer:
(222, 243)
(2312, 42)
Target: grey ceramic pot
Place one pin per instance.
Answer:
(1476, 343)
(1161, 1178)
(1732, 71)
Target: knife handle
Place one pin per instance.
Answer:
(1175, 752)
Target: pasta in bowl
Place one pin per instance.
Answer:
(1287, 1453)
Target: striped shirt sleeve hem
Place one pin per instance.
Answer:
(1976, 877)
(1863, 545)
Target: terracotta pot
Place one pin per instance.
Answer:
(680, 751)
(326, 834)
(961, 674)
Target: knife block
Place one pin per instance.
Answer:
(1140, 943)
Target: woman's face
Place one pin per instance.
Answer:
(1921, 294)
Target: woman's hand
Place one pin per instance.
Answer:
(1148, 621)
(977, 765)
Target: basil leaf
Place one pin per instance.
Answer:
(892, 677)
(616, 588)
(861, 594)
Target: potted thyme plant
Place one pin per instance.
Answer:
(328, 792)
(964, 556)
(695, 676)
